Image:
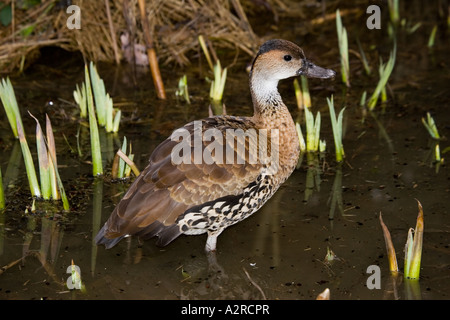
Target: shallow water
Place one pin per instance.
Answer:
(279, 252)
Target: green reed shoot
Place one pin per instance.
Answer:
(343, 49)
(385, 71)
(130, 165)
(97, 165)
(362, 102)
(120, 169)
(113, 116)
(336, 124)
(183, 90)
(80, 98)
(430, 125)
(10, 104)
(302, 93)
(51, 184)
(107, 115)
(29, 165)
(413, 248)
(99, 91)
(394, 11)
(218, 84)
(305, 92)
(312, 130)
(52, 158)
(364, 59)
(432, 37)
(202, 42)
(301, 139)
(298, 94)
(44, 163)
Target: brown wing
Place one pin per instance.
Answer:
(177, 178)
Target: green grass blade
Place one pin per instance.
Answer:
(9, 101)
(343, 49)
(80, 98)
(432, 37)
(29, 165)
(385, 73)
(121, 168)
(205, 51)
(109, 113)
(43, 160)
(116, 123)
(336, 124)
(99, 92)
(298, 94)
(52, 158)
(416, 254)
(430, 125)
(301, 139)
(97, 166)
(305, 92)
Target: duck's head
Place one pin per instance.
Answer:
(280, 59)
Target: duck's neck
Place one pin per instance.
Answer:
(269, 109)
(271, 113)
(265, 96)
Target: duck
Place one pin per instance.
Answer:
(213, 173)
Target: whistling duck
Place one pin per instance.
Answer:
(199, 180)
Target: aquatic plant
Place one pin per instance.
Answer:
(364, 59)
(29, 165)
(393, 265)
(302, 93)
(183, 90)
(385, 71)
(44, 162)
(301, 139)
(312, 130)
(305, 92)
(313, 142)
(336, 124)
(50, 181)
(202, 42)
(97, 166)
(123, 164)
(343, 49)
(10, 104)
(218, 86)
(80, 98)
(413, 248)
(107, 116)
(394, 13)
(432, 37)
(430, 125)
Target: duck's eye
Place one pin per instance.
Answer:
(287, 57)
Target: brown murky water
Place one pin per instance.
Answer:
(279, 252)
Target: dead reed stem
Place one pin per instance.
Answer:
(152, 59)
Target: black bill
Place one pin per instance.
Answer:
(310, 70)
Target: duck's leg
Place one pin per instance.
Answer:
(212, 240)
